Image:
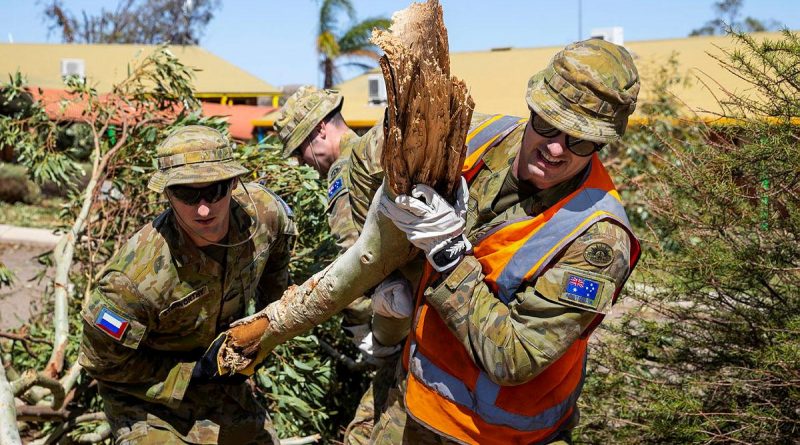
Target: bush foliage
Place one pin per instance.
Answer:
(711, 355)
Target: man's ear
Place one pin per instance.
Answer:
(236, 182)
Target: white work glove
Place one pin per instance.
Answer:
(392, 298)
(374, 352)
(431, 223)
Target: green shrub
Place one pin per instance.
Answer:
(712, 353)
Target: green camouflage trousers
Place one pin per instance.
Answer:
(360, 428)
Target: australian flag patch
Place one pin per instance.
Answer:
(111, 323)
(581, 290)
(335, 187)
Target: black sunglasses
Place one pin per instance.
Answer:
(193, 195)
(580, 147)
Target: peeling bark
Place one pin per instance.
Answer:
(428, 110)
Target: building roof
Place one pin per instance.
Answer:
(498, 78)
(62, 106)
(106, 64)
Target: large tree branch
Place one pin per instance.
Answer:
(9, 434)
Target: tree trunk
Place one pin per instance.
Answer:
(62, 256)
(9, 434)
(429, 115)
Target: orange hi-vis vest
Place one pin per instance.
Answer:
(446, 390)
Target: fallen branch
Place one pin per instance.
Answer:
(348, 362)
(102, 433)
(9, 434)
(301, 440)
(22, 338)
(31, 378)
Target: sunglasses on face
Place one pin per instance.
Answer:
(578, 146)
(210, 193)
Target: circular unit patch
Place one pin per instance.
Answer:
(599, 254)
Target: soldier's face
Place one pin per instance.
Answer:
(204, 222)
(546, 161)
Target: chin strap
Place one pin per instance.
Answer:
(186, 227)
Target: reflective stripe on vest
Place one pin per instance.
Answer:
(488, 133)
(482, 400)
(588, 207)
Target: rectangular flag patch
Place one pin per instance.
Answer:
(335, 187)
(581, 290)
(111, 323)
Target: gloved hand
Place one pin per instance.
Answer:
(392, 298)
(431, 223)
(374, 352)
(207, 369)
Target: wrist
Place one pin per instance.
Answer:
(447, 255)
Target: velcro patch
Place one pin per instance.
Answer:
(581, 290)
(334, 188)
(111, 323)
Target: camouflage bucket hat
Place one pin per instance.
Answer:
(301, 113)
(194, 154)
(588, 90)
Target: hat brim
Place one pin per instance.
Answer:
(541, 101)
(196, 173)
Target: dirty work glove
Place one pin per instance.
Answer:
(207, 369)
(357, 332)
(374, 352)
(431, 223)
(392, 298)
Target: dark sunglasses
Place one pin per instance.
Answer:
(210, 193)
(578, 146)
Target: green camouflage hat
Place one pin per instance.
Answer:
(301, 113)
(588, 90)
(194, 154)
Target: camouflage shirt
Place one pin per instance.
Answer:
(515, 342)
(172, 300)
(352, 182)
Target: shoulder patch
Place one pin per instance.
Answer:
(581, 290)
(336, 186)
(598, 254)
(111, 323)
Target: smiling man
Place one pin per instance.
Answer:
(522, 267)
(219, 253)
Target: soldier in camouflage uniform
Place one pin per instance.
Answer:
(312, 129)
(220, 252)
(580, 102)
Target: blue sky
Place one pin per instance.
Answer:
(274, 39)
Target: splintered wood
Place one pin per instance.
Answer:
(428, 111)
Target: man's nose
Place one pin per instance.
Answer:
(556, 146)
(203, 210)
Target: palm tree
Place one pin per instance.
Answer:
(350, 48)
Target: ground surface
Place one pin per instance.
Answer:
(24, 297)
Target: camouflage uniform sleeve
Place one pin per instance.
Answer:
(340, 212)
(127, 364)
(515, 343)
(275, 278)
